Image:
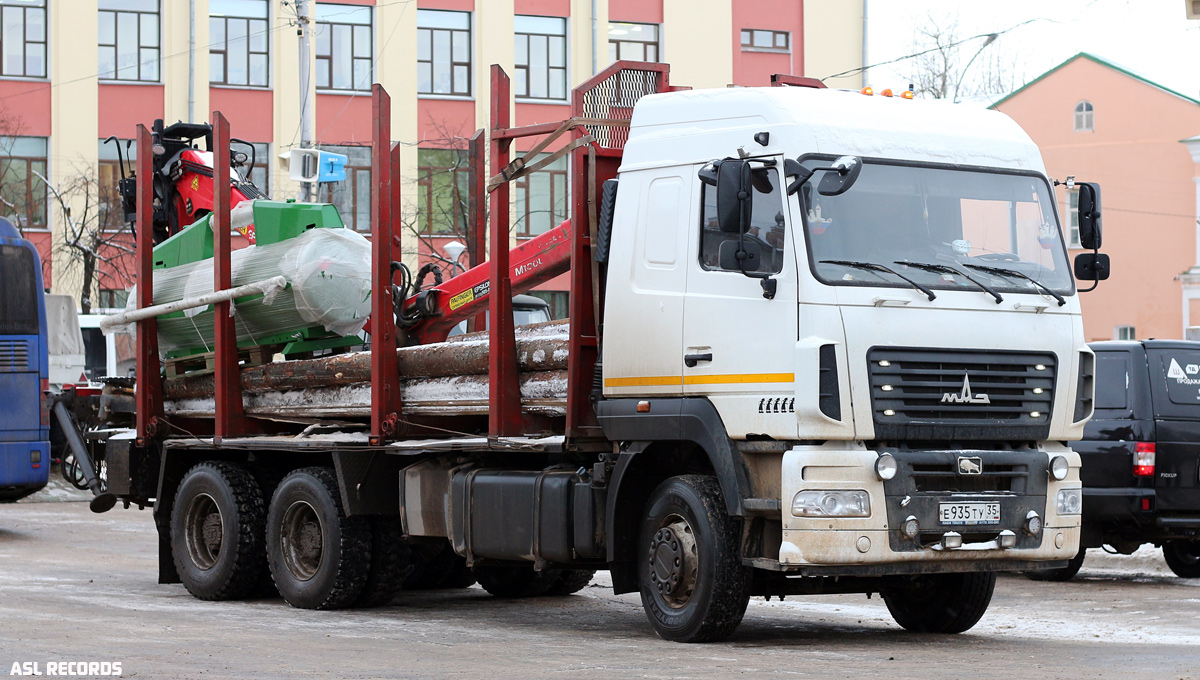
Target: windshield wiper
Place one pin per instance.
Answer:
(871, 266)
(947, 269)
(1016, 274)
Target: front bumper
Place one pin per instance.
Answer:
(877, 538)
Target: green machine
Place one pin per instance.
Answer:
(327, 267)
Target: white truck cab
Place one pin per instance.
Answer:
(890, 340)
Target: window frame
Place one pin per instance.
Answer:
(521, 189)
(327, 62)
(1124, 332)
(223, 51)
(773, 47)
(1085, 116)
(432, 61)
(460, 192)
(25, 41)
(614, 45)
(115, 74)
(26, 220)
(522, 78)
(356, 171)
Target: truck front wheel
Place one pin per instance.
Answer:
(693, 584)
(1183, 557)
(319, 558)
(1062, 574)
(940, 603)
(217, 531)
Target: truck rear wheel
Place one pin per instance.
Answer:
(940, 603)
(516, 581)
(217, 526)
(319, 558)
(571, 581)
(1062, 574)
(391, 562)
(1183, 557)
(693, 584)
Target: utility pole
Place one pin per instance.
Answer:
(304, 21)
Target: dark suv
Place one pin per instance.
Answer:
(1141, 454)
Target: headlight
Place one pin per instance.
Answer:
(1069, 502)
(855, 503)
(1059, 468)
(886, 466)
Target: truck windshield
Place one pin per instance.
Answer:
(995, 226)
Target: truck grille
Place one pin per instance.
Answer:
(943, 478)
(14, 355)
(961, 395)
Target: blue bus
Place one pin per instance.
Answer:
(24, 412)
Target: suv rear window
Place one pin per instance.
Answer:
(1112, 380)
(18, 281)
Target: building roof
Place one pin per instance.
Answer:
(1103, 62)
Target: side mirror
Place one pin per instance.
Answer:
(843, 175)
(734, 199)
(1089, 217)
(1091, 266)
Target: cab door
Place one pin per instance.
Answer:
(737, 347)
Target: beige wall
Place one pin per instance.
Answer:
(74, 109)
(697, 42)
(833, 40)
(175, 19)
(1148, 196)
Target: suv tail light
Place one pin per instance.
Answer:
(1143, 459)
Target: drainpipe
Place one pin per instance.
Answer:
(864, 45)
(191, 61)
(595, 45)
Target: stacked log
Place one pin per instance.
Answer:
(448, 378)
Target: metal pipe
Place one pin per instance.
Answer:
(595, 47)
(265, 286)
(103, 501)
(305, 23)
(864, 44)
(191, 61)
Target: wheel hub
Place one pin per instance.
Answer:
(672, 556)
(302, 540)
(203, 532)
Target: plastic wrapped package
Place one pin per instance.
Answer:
(329, 285)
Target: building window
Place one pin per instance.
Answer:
(540, 62)
(353, 195)
(111, 212)
(344, 47)
(1084, 117)
(129, 40)
(239, 40)
(540, 198)
(443, 52)
(632, 42)
(113, 298)
(1073, 218)
(22, 192)
(442, 178)
(771, 41)
(1124, 333)
(23, 38)
(260, 154)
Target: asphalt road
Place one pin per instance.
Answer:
(81, 587)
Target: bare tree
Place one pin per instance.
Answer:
(948, 66)
(93, 241)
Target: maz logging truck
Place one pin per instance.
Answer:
(819, 342)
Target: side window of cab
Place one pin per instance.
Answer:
(766, 234)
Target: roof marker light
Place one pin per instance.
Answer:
(867, 91)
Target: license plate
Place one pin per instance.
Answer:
(968, 514)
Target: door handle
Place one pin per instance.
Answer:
(690, 360)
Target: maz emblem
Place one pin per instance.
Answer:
(965, 396)
(970, 466)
